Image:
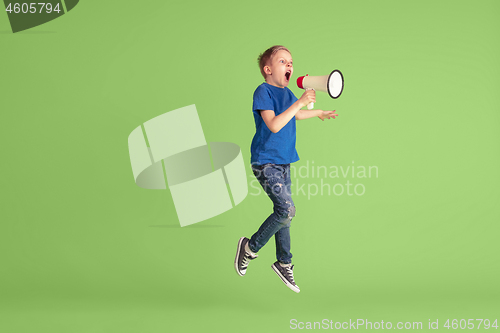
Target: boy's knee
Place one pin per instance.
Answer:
(286, 214)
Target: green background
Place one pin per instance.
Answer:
(83, 249)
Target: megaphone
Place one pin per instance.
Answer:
(333, 84)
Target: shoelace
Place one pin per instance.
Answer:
(246, 260)
(289, 271)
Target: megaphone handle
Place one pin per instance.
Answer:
(310, 105)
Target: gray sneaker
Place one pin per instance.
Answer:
(286, 275)
(243, 257)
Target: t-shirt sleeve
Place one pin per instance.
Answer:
(294, 98)
(262, 99)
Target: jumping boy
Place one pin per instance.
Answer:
(275, 109)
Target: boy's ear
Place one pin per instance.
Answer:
(267, 70)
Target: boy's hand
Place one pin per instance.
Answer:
(327, 115)
(309, 96)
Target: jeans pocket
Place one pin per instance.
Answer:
(274, 171)
(257, 171)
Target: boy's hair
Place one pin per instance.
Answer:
(268, 54)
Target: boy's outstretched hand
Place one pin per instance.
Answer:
(327, 115)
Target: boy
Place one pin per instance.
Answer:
(275, 109)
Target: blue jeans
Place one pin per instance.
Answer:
(275, 180)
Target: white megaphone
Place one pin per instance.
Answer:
(333, 84)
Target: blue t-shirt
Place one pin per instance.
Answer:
(269, 147)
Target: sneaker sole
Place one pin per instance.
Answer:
(285, 281)
(237, 256)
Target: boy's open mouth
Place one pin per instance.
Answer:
(287, 75)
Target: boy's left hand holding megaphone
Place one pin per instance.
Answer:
(308, 98)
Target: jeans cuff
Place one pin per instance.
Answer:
(251, 247)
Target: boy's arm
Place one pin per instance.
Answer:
(305, 114)
(276, 122)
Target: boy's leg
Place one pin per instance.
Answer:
(283, 267)
(273, 179)
(282, 236)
